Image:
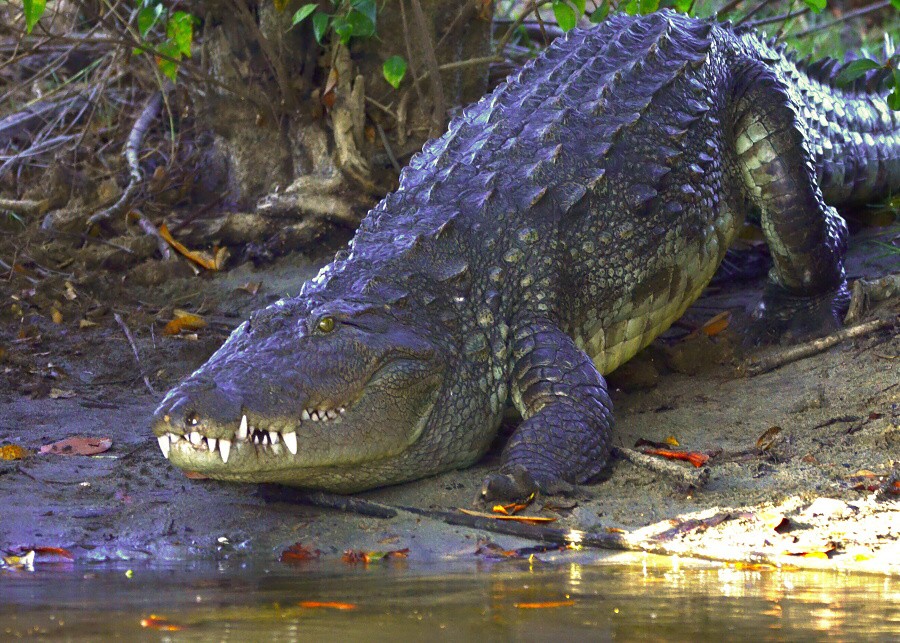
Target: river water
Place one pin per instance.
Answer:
(649, 599)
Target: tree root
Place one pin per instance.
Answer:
(132, 153)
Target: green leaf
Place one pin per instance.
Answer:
(365, 7)
(602, 11)
(580, 6)
(302, 13)
(343, 29)
(147, 18)
(565, 15)
(360, 24)
(34, 9)
(684, 6)
(180, 30)
(394, 69)
(170, 69)
(896, 4)
(893, 99)
(320, 25)
(649, 6)
(633, 7)
(816, 5)
(854, 70)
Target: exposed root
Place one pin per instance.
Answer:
(132, 152)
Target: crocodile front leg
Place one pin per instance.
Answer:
(565, 437)
(806, 293)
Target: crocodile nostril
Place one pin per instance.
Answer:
(191, 419)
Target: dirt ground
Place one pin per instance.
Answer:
(818, 496)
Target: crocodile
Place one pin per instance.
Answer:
(559, 225)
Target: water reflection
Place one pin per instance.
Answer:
(528, 599)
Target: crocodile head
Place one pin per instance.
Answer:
(329, 395)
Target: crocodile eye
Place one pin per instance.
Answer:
(326, 324)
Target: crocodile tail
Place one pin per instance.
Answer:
(854, 135)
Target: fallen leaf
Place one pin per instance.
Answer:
(251, 287)
(327, 605)
(194, 475)
(20, 562)
(694, 457)
(214, 261)
(768, 438)
(86, 323)
(775, 521)
(351, 556)
(56, 316)
(614, 530)
(184, 321)
(493, 550)
(513, 507)
(543, 605)
(297, 553)
(61, 394)
(78, 445)
(672, 441)
(13, 452)
(53, 553)
(528, 519)
(717, 324)
(70, 293)
(155, 622)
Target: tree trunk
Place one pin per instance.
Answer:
(311, 136)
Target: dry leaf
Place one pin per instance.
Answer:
(351, 556)
(528, 519)
(56, 316)
(297, 553)
(194, 475)
(184, 321)
(334, 605)
(86, 323)
(70, 293)
(543, 605)
(767, 439)
(694, 457)
(214, 261)
(13, 452)
(155, 622)
(251, 287)
(61, 394)
(672, 441)
(717, 324)
(78, 445)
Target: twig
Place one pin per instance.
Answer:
(25, 207)
(802, 351)
(134, 349)
(850, 15)
(692, 477)
(387, 147)
(533, 5)
(13, 271)
(779, 18)
(484, 60)
(132, 151)
(728, 8)
(752, 12)
(151, 230)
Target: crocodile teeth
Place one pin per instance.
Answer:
(196, 438)
(224, 449)
(290, 441)
(273, 437)
(164, 444)
(315, 416)
(332, 414)
(242, 430)
(304, 415)
(212, 444)
(342, 410)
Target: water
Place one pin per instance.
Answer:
(399, 600)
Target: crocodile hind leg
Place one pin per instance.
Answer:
(565, 436)
(806, 293)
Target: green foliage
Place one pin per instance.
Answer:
(394, 70)
(179, 35)
(351, 19)
(33, 10)
(816, 5)
(566, 17)
(855, 69)
(600, 13)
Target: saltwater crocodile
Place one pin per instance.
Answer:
(559, 225)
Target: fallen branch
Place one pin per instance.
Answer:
(134, 349)
(132, 152)
(802, 351)
(865, 292)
